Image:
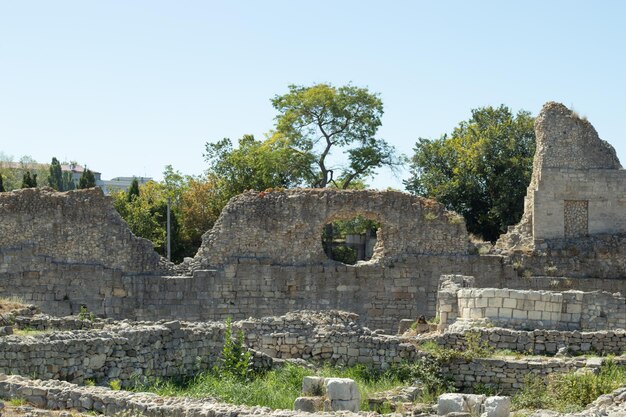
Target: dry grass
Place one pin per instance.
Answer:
(8, 304)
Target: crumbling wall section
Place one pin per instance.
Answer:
(576, 176)
(76, 227)
(285, 227)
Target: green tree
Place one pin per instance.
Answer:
(1, 184)
(318, 119)
(133, 191)
(28, 180)
(146, 215)
(481, 170)
(256, 165)
(87, 180)
(55, 178)
(67, 181)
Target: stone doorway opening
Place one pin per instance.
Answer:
(350, 240)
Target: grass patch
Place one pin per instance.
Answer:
(29, 331)
(570, 392)
(11, 303)
(279, 388)
(16, 402)
(474, 348)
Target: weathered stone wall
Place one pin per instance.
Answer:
(540, 341)
(506, 375)
(285, 228)
(576, 175)
(571, 203)
(124, 353)
(259, 269)
(77, 227)
(526, 309)
(380, 294)
(130, 352)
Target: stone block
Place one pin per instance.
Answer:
(450, 403)
(346, 405)
(342, 389)
(509, 303)
(498, 406)
(460, 403)
(309, 404)
(313, 386)
(520, 315)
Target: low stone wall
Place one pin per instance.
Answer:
(507, 376)
(126, 353)
(525, 309)
(60, 395)
(540, 342)
(131, 352)
(334, 338)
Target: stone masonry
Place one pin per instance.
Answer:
(577, 187)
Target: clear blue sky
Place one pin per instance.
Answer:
(130, 86)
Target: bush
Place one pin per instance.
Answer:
(236, 359)
(572, 391)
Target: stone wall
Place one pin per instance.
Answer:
(540, 341)
(576, 176)
(259, 271)
(285, 228)
(526, 309)
(130, 352)
(76, 227)
(506, 375)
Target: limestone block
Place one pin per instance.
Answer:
(509, 303)
(450, 403)
(520, 315)
(460, 403)
(498, 406)
(313, 386)
(342, 389)
(346, 405)
(309, 404)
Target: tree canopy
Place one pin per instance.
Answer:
(28, 180)
(87, 180)
(59, 180)
(257, 165)
(481, 170)
(318, 119)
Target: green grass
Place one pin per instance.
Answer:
(16, 402)
(570, 392)
(27, 331)
(279, 388)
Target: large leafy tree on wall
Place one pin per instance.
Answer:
(320, 119)
(481, 170)
(256, 165)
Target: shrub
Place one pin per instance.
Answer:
(236, 358)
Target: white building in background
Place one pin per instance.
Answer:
(107, 186)
(120, 183)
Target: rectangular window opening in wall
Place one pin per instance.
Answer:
(576, 214)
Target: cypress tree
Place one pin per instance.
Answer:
(55, 178)
(29, 181)
(133, 191)
(87, 180)
(1, 185)
(68, 181)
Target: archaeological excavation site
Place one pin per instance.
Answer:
(94, 321)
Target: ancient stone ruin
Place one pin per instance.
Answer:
(553, 285)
